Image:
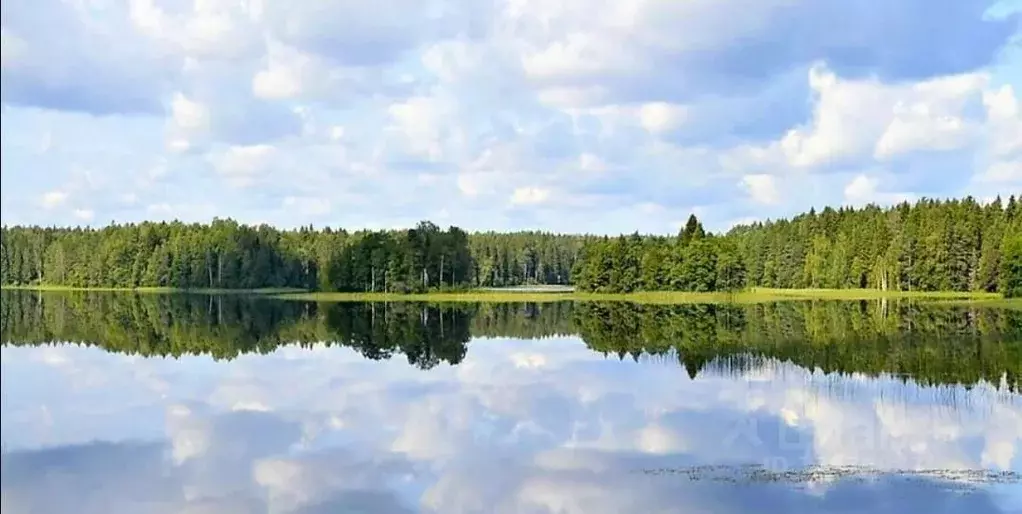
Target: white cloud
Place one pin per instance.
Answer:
(852, 117)
(241, 166)
(85, 215)
(276, 83)
(53, 199)
(613, 105)
(422, 121)
(187, 114)
(12, 48)
(863, 189)
(762, 188)
(530, 195)
(1005, 118)
(210, 30)
(293, 74)
(1003, 172)
(188, 119)
(591, 162)
(660, 117)
(308, 205)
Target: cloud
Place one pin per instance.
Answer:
(242, 166)
(308, 205)
(613, 106)
(660, 117)
(852, 117)
(210, 30)
(529, 195)
(55, 56)
(706, 46)
(862, 189)
(85, 215)
(53, 199)
(762, 188)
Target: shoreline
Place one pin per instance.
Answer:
(494, 295)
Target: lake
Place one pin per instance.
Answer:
(123, 403)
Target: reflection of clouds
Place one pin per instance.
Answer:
(521, 426)
(335, 481)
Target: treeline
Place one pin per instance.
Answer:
(953, 245)
(931, 245)
(524, 258)
(692, 261)
(228, 255)
(930, 344)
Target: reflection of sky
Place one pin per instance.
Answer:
(539, 426)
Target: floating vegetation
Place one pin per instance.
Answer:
(962, 479)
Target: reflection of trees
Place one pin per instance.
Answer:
(425, 334)
(229, 325)
(522, 320)
(927, 343)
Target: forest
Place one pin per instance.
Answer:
(929, 245)
(930, 344)
(227, 255)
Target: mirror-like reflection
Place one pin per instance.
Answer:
(511, 408)
(931, 344)
(927, 343)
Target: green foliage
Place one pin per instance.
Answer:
(227, 255)
(694, 261)
(953, 245)
(1011, 266)
(931, 245)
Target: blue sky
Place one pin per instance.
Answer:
(570, 115)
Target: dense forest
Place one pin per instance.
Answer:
(953, 245)
(930, 344)
(228, 255)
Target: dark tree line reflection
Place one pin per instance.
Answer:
(928, 343)
(230, 325)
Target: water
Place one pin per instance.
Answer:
(122, 403)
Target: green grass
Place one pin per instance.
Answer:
(152, 290)
(755, 295)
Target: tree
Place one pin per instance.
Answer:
(1011, 266)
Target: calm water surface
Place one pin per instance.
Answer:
(120, 403)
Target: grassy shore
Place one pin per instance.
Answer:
(754, 295)
(152, 290)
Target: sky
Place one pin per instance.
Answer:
(600, 116)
